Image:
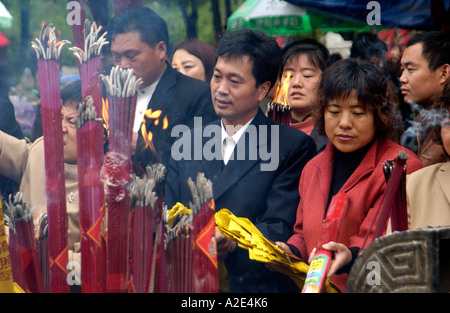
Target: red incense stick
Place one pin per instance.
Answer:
(393, 193)
(90, 162)
(23, 244)
(48, 51)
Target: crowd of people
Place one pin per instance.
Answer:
(347, 118)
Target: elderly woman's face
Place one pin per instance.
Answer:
(188, 64)
(348, 124)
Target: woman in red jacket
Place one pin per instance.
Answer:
(354, 114)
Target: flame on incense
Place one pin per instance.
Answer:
(282, 92)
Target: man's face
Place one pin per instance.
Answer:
(128, 51)
(234, 93)
(419, 82)
(69, 115)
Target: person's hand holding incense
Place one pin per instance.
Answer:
(224, 246)
(341, 256)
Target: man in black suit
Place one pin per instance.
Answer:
(139, 40)
(253, 162)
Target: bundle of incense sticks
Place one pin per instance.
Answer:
(317, 271)
(280, 113)
(393, 201)
(90, 63)
(158, 277)
(121, 85)
(116, 177)
(179, 253)
(91, 193)
(41, 231)
(23, 248)
(142, 224)
(48, 51)
(205, 252)
(279, 108)
(398, 207)
(190, 245)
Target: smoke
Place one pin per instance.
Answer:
(424, 120)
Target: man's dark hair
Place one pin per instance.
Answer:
(435, 47)
(259, 47)
(151, 27)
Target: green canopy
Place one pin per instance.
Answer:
(5, 17)
(275, 17)
(278, 17)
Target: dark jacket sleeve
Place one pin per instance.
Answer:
(8, 121)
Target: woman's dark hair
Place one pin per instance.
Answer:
(370, 84)
(316, 52)
(259, 47)
(205, 52)
(71, 93)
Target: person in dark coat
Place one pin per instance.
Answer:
(139, 40)
(254, 163)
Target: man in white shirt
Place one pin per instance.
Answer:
(139, 40)
(256, 172)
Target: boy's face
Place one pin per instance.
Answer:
(69, 115)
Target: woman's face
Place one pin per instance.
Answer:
(69, 113)
(188, 64)
(304, 79)
(348, 124)
(445, 134)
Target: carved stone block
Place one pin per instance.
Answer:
(409, 261)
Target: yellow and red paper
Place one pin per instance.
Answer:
(7, 284)
(261, 249)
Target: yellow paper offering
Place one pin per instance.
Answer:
(6, 278)
(262, 249)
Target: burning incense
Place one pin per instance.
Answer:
(121, 85)
(317, 272)
(90, 162)
(280, 109)
(25, 260)
(90, 63)
(48, 51)
(393, 201)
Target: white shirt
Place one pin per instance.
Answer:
(143, 98)
(229, 142)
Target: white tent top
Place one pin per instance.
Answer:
(5, 17)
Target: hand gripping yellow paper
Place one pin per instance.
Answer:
(261, 249)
